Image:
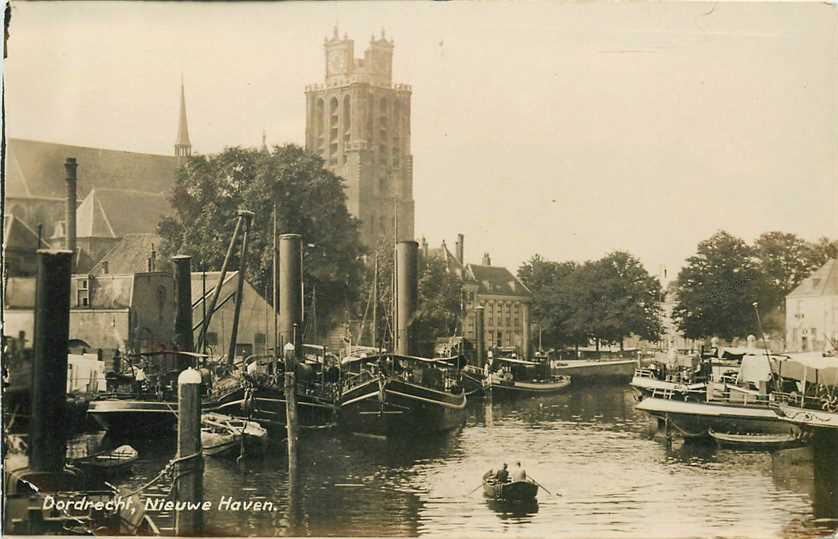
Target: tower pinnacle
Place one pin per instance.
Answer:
(183, 147)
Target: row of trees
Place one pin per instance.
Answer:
(603, 301)
(717, 288)
(573, 303)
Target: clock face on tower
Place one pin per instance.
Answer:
(336, 61)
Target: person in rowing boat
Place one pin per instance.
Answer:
(518, 472)
(503, 474)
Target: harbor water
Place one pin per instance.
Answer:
(608, 475)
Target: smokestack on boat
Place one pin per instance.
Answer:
(49, 369)
(290, 287)
(481, 345)
(406, 267)
(70, 167)
(183, 299)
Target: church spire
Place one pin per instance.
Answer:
(183, 148)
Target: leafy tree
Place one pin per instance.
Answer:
(606, 300)
(824, 250)
(553, 303)
(440, 302)
(716, 289)
(310, 201)
(626, 299)
(783, 261)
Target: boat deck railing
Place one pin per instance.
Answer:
(826, 404)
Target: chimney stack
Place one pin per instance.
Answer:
(486, 260)
(460, 248)
(183, 302)
(290, 288)
(70, 167)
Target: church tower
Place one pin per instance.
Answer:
(358, 121)
(183, 148)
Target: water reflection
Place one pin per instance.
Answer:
(516, 512)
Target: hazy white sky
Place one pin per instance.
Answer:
(565, 129)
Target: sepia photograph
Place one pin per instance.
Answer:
(409, 268)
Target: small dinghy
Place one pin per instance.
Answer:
(223, 435)
(510, 491)
(756, 440)
(108, 464)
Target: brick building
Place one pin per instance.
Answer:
(358, 121)
(108, 312)
(505, 299)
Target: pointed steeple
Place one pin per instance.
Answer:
(264, 141)
(183, 147)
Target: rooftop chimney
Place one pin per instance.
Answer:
(460, 248)
(70, 166)
(486, 260)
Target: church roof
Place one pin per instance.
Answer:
(36, 169)
(91, 219)
(823, 282)
(130, 255)
(133, 212)
(496, 280)
(18, 235)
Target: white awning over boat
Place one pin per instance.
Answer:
(812, 367)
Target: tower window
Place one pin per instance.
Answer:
(318, 118)
(347, 115)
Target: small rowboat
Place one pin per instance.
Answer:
(224, 435)
(512, 491)
(108, 464)
(756, 440)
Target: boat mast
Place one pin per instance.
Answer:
(375, 300)
(231, 355)
(217, 292)
(395, 280)
(274, 288)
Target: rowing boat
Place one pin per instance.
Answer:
(224, 435)
(512, 491)
(756, 440)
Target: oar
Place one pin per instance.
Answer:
(474, 489)
(542, 486)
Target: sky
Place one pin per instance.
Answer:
(565, 129)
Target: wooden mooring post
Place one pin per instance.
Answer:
(290, 322)
(49, 369)
(189, 485)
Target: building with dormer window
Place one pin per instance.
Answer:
(505, 299)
